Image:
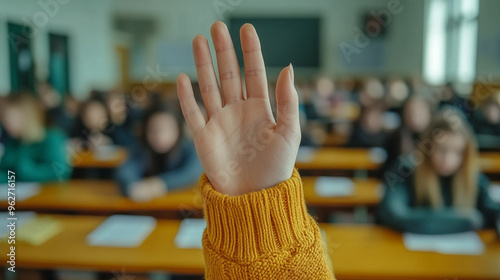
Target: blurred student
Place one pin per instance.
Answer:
(54, 106)
(35, 153)
(486, 123)
(416, 114)
(257, 222)
(165, 161)
(95, 127)
(449, 97)
(121, 119)
(438, 188)
(369, 131)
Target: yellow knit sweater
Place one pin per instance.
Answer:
(262, 235)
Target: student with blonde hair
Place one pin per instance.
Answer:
(257, 222)
(438, 188)
(35, 153)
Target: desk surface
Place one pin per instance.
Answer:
(357, 252)
(340, 159)
(104, 196)
(490, 162)
(90, 160)
(361, 159)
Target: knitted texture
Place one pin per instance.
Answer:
(262, 235)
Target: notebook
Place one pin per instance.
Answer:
(39, 229)
(22, 217)
(122, 231)
(333, 186)
(190, 233)
(466, 243)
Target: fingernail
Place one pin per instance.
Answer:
(292, 76)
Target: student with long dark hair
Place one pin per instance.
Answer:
(164, 161)
(416, 114)
(439, 188)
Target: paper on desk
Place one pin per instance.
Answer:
(466, 243)
(22, 217)
(22, 191)
(494, 192)
(305, 154)
(39, 229)
(333, 186)
(190, 233)
(106, 152)
(377, 155)
(122, 231)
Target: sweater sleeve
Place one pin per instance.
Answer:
(52, 166)
(395, 211)
(262, 235)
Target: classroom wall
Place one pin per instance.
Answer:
(488, 57)
(180, 20)
(88, 24)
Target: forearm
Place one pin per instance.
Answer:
(262, 235)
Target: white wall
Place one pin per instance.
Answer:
(88, 24)
(181, 20)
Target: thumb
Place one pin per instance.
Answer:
(287, 101)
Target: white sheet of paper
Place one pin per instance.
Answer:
(305, 154)
(494, 192)
(22, 191)
(333, 186)
(122, 231)
(22, 217)
(466, 243)
(377, 155)
(106, 152)
(190, 233)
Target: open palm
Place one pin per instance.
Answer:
(241, 147)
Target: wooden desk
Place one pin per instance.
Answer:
(490, 162)
(366, 193)
(360, 159)
(376, 253)
(98, 196)
(89, 159)
(339, 159)
(104, 197)
(357, 252)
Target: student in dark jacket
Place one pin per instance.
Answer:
(486, 123)
(416, 114)
(369, 131)
(35, 153)
(95, 127)
(55, 109)
(165, 161)
(438, 188)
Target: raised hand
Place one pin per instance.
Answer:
(241, 146)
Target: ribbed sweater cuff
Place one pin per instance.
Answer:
(250, 226)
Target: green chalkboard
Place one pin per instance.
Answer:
(283, 40)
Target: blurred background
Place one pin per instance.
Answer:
(91, 127)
